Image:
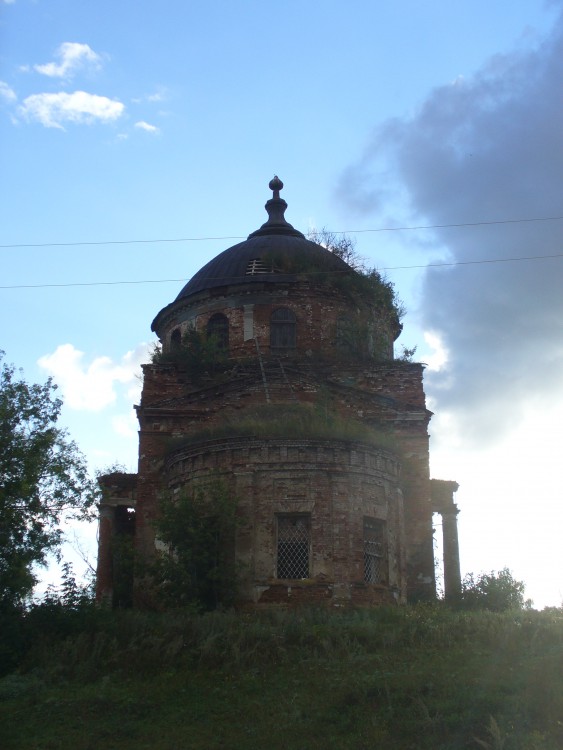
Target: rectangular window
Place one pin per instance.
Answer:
(375, 551)
(294, 541)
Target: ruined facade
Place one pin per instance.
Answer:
(276, 377)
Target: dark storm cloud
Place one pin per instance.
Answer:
(484, 149)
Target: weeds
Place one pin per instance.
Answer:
(291, 422)
(422, 677)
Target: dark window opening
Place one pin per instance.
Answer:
(122, 556)
(282, 329)
(375, 551)
(176, 340)
(345, 334)
(218, 327)
(256, 266)
(294, 541)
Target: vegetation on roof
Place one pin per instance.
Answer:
(290, 422)
(360, 282)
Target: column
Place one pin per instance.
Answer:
(104, 571)
(452, 575)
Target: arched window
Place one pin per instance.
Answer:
(175, 340)
(218, 327)
(282, 329)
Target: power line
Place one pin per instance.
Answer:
(236, 237)
(473, 262)
(449, 226)
(317, 273)
(120, 242)
(93, 283)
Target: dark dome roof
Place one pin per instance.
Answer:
(251, 260)
(246, 262)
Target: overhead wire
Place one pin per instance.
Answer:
(317, 273)
(241, 237)
(234, 237)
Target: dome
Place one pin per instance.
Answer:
(254, 260)
(248, 262)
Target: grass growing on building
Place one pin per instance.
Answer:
(291, 422)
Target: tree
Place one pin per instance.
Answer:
(497, 592)
(197, 531)
(43, 481)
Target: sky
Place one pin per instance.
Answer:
(137, 142)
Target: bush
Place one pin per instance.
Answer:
(196, 566)
(496, 592)
(64, 611)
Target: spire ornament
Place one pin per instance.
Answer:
(276, 185)
(276, 207)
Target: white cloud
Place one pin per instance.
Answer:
(142, 125)
(52, 110)
(92, 387)
(159, 96)
(7, 93)
(439, 357)
(72, 56)
(126, 425)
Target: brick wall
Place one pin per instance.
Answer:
(385, 395)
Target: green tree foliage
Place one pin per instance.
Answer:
(64, 610)
(497, 592)
(43, 481)
(197, 568)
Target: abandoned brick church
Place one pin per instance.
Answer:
(305, 417)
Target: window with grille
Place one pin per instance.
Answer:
(375, 551)
(294, 541)
(218, 327)
(282, 329)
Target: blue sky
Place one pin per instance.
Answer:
(135, 121)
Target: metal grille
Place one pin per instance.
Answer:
(375, 558)
(218, 326)
(282, 329)
(293, 546)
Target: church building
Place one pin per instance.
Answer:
(276, 380)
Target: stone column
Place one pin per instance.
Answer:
(452, 575)
(104, 571)
(442, 493)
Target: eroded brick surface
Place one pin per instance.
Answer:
(336, 482)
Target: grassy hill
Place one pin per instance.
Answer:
(414, 677)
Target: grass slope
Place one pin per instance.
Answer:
(413, 677)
